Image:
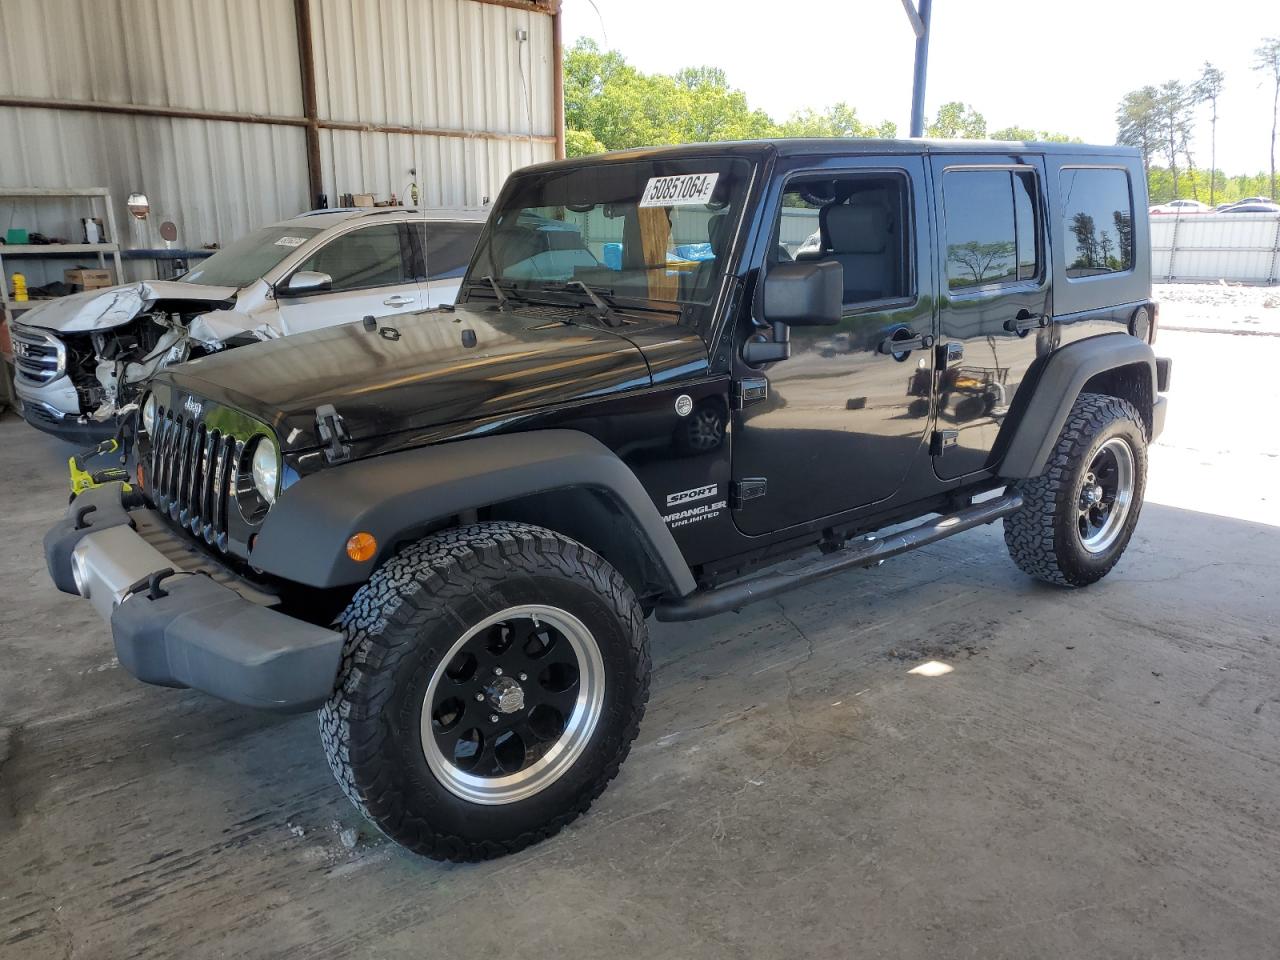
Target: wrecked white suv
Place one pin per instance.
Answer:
(80, 360)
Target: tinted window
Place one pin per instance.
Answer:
(369, 257)
(992, 231)
(860, 222)
(1028, 224)
(448, 247)
(1097, 221)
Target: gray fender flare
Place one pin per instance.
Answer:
(1065, 373)
(303, 538)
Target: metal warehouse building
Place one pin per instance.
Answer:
(229, 114)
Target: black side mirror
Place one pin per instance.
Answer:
(805, 294)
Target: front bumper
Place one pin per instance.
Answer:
(71, 429)
(190, 629)
(54, 408)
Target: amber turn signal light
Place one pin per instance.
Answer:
(361, 547)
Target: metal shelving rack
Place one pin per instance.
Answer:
(9, 309)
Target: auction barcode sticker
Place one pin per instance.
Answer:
(683, 190)
(291, 241)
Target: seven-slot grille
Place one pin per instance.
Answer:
(193, 475)
(38, 357)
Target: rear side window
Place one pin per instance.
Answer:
(448, 247)
(993, 233)
(1097, 220)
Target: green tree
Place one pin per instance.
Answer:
(580, 143)
(1026, 133)
(712, 110)
(1267, 61)
(610, 105)
(840, 120)
(955, 120)
(1208, 88)
(1138, 122)
(1171, 109)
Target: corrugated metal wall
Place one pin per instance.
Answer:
(214, 180)
(454, 67)
(1216, 246)
(450, 65)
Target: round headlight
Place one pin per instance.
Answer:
(149, 413)
(266, 469)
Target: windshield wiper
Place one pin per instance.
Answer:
(604, 311)
(504, 301)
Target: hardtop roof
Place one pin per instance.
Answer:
(837, 146)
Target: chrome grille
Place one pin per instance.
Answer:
(193, 475)
(38, 357)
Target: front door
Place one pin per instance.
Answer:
(994, 311)
(843, 421)
(373, 274)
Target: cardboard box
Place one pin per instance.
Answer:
(362, 200)
(88, 279)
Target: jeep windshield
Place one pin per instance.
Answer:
(250, 257)
(653, 230)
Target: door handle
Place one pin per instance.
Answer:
(1026, 321)
(903, 342)
(398, 301)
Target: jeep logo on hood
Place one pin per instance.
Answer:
(193, 407)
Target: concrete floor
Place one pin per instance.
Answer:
(1096, 777)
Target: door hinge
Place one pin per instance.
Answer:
(749, 391)
(751, 488)
(333, 433)
(942, 441)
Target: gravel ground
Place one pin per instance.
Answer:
(1220, 307)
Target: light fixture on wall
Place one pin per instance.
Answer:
(138, 205)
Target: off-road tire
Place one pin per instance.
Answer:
(1042, 536)
(404, 620)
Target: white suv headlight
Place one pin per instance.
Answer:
(266, 468)
(149, 414)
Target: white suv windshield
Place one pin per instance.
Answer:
(646, 229)
(250, 257)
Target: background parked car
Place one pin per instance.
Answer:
(1181, 206)
(1253, 206)
(80, 359)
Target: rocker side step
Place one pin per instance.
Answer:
(862, 552)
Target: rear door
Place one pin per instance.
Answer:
(995, 314)
(372, 269)
(445, 252)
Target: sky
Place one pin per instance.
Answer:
(1052, 66)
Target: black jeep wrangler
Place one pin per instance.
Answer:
(668, 369)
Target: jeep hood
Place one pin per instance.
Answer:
(474, 363)
(94, 310)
